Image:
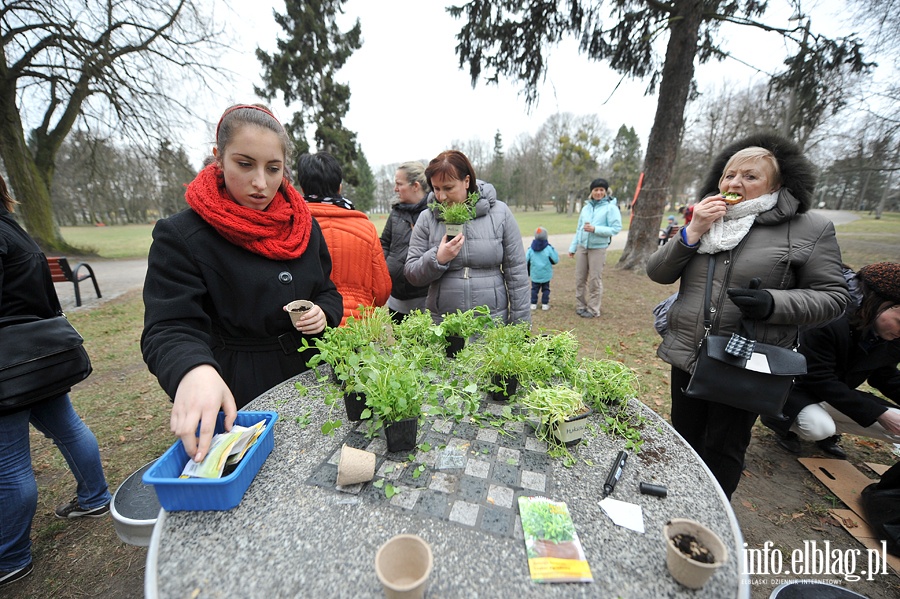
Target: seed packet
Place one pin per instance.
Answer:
(551, 543)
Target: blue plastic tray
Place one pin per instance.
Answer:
(177, 494)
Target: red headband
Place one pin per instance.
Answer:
(238, 107)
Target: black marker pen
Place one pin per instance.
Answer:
(615, 474)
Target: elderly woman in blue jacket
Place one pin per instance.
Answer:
(483, 266)
(599, 220)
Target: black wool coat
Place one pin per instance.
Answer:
(395, 245)
(26, 286)
(837, 362)
(208, 301)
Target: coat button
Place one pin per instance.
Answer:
(285, 277)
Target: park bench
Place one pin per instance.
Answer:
(61, 272)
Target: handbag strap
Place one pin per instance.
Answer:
(707, 296)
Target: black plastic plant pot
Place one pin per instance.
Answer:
(401, 435)
(355, 404)
(511, 385)
(454, 344)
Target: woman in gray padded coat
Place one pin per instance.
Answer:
(767, 237)
(485, 265)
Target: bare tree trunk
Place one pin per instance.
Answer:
(879, 208)
(30, 183)
(662, 146)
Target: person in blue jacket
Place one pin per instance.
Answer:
(600, 219)
(540, 258)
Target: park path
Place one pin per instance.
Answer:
(116, 277)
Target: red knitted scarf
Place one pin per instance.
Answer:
(280, 232)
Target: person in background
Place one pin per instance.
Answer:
(26, 288)
(670, 231)
(221, 273)
(688, 214)
(358, 268)
(860, 347)
(774, 264)
(599, 220)
(540, 257)
(484, 266)
(412, 189)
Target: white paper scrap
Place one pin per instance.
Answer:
(624, 514)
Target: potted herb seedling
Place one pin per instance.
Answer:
(560, 414)
(555, 357)
(504, 356)
(456, 214)
(458, 326)
(343, 348)
(417, 335)
(395, 390)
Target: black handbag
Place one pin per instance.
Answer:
(759, 383)
(40, 358)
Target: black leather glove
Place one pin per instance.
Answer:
(755, 304)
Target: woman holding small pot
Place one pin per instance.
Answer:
(483, 266)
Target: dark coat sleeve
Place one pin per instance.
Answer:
(833, 362)
(177, 328)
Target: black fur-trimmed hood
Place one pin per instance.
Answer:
(797, 173)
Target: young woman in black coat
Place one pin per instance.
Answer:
(221, 273)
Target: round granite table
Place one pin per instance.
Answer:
(295, 535)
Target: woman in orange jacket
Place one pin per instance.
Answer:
(359, 270)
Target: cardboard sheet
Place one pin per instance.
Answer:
(846, 482)
(861, 531)
(841, 477)
(878, 469)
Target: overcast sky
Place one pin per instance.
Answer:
(410, 100)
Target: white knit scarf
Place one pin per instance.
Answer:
(727, 232)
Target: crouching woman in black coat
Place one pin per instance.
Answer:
(862, 347)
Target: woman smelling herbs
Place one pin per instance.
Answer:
(775, 264)
(220, 274)
(483, 266)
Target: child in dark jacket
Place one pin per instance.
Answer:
(541, 257)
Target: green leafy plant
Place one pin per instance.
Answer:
(465, 324)
(553, 405)
(622, 423)
(389, 489)
(395, 388)
(340, 347)
(555, 356)
(605, 382)
(457, 213)
(417, 328)
(500, 353)
(418, 337)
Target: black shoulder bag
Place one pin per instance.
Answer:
(741, 372)
(40, 358)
